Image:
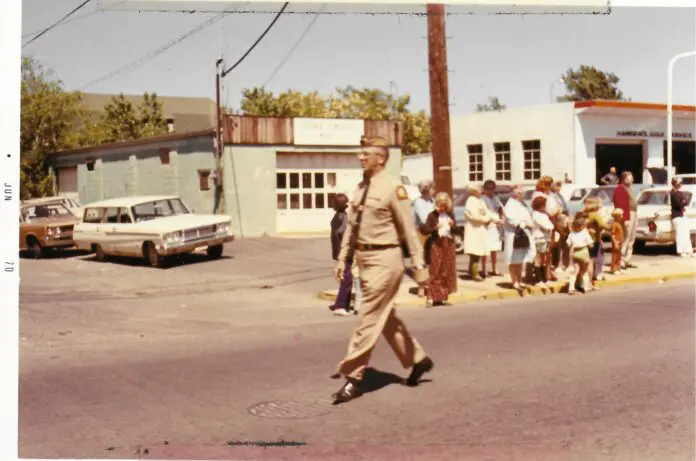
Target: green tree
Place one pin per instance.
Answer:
(349, 103)
(494, 105)
(120, 121)
(48, 117)
(589, 83)
(151, 118)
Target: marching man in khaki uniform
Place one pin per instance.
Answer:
(380, 221)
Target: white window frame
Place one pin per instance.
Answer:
(503, 161)
(531, 150)
(327, 191)
(475, 152)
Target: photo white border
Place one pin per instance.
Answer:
(10, 64)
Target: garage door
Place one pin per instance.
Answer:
(306, 185)
(67, 180)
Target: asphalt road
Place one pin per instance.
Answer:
(604, 376)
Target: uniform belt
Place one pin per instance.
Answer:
(375, 247)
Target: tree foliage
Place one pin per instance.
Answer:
(349, 103)
(48, 116)
(589, 83)
(53, 119)
(494, 105)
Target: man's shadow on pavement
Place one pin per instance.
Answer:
(374, 380)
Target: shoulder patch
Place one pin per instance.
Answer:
(401, 193)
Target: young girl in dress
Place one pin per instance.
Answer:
(541, 234)
(580, 241)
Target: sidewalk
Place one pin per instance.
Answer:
(658, 270)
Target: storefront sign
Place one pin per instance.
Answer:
(327, 132)
(652, 134)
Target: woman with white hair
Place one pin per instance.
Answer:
(678, 203)
(442, 256)
(476, 240)
(518, 248)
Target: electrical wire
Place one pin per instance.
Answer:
(239, 61)
(127, 68)
(40, 34)
(294, 47)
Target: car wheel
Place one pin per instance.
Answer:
(693, 240)
(214, 252)
(639, 246)
(35, 249)
(99, 254)
(151, 256)
(458, 244)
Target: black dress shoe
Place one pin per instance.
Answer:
(419, 370)
(350, 390)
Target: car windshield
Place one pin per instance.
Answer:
(577, 194)
(159, 209)
(53, 210)
(654, 198)
(605, 194)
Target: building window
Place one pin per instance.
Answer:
(475, 162)
(304, 190)
(164, 155)
(503, 171)
(204, 179)
(532, 159)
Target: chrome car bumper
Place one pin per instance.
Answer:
(654, 237)
(192, 245)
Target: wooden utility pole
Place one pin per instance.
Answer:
(439, 99)
(219, 143)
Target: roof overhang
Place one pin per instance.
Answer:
(633, 109)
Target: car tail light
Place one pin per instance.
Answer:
(652, 227)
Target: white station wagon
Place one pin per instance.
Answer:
(655, 217)
(149, 227)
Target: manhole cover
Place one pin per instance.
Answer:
(291, 409)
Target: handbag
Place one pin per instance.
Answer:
(521, 239)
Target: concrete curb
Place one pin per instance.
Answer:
(507, 293)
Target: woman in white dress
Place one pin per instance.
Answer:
(476, 230)
(517, 215)
(495, 232)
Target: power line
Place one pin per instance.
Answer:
(65, 23)
(40, 34)
(294, 47)
(239, 61)
(127, 68)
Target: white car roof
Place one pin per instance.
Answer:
(128, 202)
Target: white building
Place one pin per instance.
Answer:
(582, 139)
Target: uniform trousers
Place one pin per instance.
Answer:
(381, 272)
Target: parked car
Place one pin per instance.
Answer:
(45, 225)
(72, 204)
(152, 227)
(411, 189)
(655, 218)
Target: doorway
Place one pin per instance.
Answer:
(683, 156)
(624, 157)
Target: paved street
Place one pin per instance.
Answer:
(179, 371)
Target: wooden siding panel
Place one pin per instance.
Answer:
(243, 130)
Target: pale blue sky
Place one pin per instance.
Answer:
(513, 57)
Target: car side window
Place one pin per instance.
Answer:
(123, 216)
(93, 215)
(112, 215)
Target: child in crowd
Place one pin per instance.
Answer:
(339, 225)
(617, 237)
(596, 226)
(580, 241)
(541, 233)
